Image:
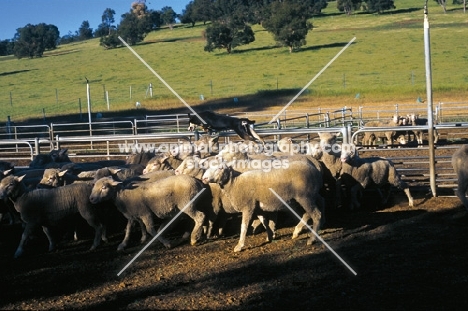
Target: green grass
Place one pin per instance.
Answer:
(385, 61)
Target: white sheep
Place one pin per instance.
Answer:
(220, 205)
(49, 208)
(372, 171)
(250, 191)
(56, 177)
(162, 198)
(460, 166)
(416, 120)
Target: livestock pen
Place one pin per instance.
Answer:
(118, 139)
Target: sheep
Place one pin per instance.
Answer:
(287, 145)
(460, 166)
(207, 145)
(373, 171)
(250, 191)
(120, 173)
(49, 208)
(55, 177)
(6, 206)
(160, 161)
(416, 120)
(387, 136)
(328, 152)
(140, 158)
(162, 198)
(55, 158)
(220, 206)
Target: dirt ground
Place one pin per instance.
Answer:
(393, 257)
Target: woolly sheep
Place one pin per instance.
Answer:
(387, 136)
(163, 198)
(460, 166)
(207, 145)
(49, 208)
(373, 171)
(55, 177)
(220, 206)
(300, 182)
(55, 158)
(416, 120)
(159, 162)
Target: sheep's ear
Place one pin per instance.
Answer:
(63, 151)
(7, 172)
(62, 173)
(20, 178)
(115, 183)
(114, 170)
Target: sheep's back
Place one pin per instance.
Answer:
(51, 205)
(298, 179)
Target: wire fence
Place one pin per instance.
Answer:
(34, 103)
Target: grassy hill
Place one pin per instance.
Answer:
(385, 64)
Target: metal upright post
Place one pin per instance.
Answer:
(430, 116)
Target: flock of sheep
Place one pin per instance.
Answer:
(203, 182)
(398, 135)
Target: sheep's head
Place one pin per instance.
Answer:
(314, 150)
(217, 174)
(348, 153)
(52, 177)
(104, 189)
(10, 186)
(157, 163)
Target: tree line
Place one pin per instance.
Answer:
(228, 23)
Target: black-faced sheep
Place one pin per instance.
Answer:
(250, 191)
(48, 208)
(460, 166)
(163, 198)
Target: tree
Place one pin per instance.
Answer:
(6, 47)
(348, 6)
(108, 20)
(377, 6)
(85, 32)
(202, 10)
(32, 40)
(288, 22)
(221, 36)
(443, 4)
(188, 15)
(168, 16)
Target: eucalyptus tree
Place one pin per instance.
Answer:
(32, 40)
(230, 25)
(288, 21)
(348, 6)
(378, 6)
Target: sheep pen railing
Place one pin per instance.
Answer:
(411, 162)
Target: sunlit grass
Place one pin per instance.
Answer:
(385, 62)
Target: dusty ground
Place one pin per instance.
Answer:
(405, 258)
